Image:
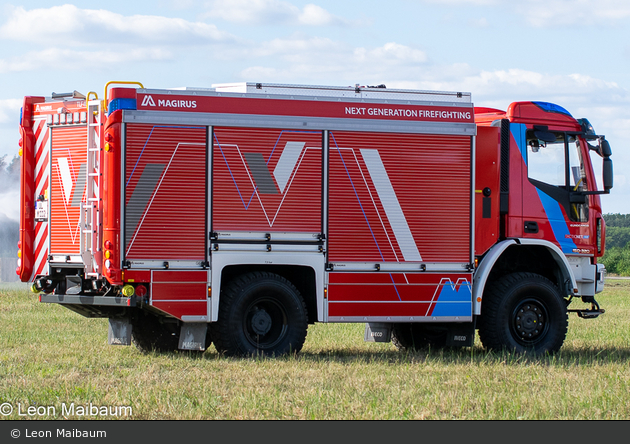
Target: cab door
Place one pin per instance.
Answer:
(553, 207)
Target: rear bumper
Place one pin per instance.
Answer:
(67, 299)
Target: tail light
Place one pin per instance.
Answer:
(19, 255)
(141, 291)
(108, 254)
(109, 142)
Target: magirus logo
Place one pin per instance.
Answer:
(175, 103)
(148, 101)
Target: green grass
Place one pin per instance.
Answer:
(50, 355)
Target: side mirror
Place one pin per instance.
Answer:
(607, 173)
(604, 148)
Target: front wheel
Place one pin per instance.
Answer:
(261, 314)
(523, 312)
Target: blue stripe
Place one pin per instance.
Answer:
(454, 302)
(519, 132)
(557, 221)
(231, 175)
(552, 108)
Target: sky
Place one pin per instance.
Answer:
(575, 53)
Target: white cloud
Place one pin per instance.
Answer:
(10, 111)
(64, 59)
(72, 26)
(391, 52)
(543, 13)
(272, 12)
(297, 47)
(317, 16)
(465, 2)
(312, 60)
(479, 23)
(518, 84)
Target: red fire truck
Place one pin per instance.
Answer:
(240, 214)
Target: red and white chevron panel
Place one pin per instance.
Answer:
(42, 151)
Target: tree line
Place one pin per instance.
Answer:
(9, 228)
(9, 173)
(617, 256)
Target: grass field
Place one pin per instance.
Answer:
(57, 362)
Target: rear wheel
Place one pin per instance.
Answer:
(523, 312)
(149, 334)
(260, 314)
(412, 337)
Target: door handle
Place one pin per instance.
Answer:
(531, 227)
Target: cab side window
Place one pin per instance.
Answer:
(556, 167)
(546, 161)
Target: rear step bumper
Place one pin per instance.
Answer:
(72, 299)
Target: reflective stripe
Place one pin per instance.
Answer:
(390, 203)
(286, 163)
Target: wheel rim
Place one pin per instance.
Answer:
(529, 322)
(265, 323)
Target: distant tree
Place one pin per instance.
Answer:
(13, 169)
(617, 256)
(617, 237)
(9, 236)
(9, 173)
(9, 229)
(617, 261)
(3, 166)
(617, 220)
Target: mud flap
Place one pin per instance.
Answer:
(192, 336)
(461, 335)
(378, 332)
(119, 332)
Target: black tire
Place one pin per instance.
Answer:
(525, 313)
(414, 337)
(148, 334)
(260, 314)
